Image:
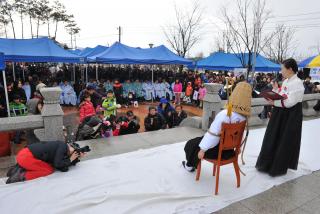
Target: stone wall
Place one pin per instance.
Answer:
(213, 103)
(48, 126)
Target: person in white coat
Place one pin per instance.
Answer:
(148, 88)
(167, 89)
(208, 145)
(68, 95)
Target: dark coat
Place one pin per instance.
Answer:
(133, 127)
(154, 122)
(55, 153)
(176, 118)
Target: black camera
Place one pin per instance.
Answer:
(70, 139)
(79, 149)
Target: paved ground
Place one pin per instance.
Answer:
(299, 196)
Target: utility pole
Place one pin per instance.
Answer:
(119, 29)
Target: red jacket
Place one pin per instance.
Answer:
(86, 109)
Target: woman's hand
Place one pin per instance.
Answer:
(201, 154)
(275, 85)
(74, 156)
(271, 102)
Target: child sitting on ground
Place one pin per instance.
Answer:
(86, 107)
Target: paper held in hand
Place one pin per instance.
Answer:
(271, 95)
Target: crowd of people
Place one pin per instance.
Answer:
(125, 87)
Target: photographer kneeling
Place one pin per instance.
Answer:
(41, 159)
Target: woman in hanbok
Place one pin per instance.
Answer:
(281, 144)
(167, 89)
(149, 91)
(68, 95)
(139, 90)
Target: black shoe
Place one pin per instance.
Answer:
(12, 170)
(188, 168)
(18, 176)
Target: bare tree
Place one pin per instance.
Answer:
(4, 21)
(7, 10)
(282, 45)
(244, 31)
(58, 15)
(72, 29)
(31, 12)
(20, 8)
(184, 34)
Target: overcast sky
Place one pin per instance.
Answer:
(142, 21)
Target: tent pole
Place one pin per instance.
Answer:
(152, 82)
(13, 72)
(86, 73)
(74, 73)
(97, 72)
(6, 91)
(23, 74)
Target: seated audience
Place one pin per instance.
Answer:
(86, 108)
(154, 121)
(177, 116)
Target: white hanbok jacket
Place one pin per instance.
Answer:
(293, 90)
(211, 138)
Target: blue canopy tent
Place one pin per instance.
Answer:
(219, 61)
(35, 50)
(76, 51)
(85, 51)
(2, 64)
(229, 61)
(122, 54)
(262, 63)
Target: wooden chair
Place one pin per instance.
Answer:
(231, 138)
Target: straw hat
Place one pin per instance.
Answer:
(240, 99)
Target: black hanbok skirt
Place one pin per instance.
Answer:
(192, 149)
(281, 143)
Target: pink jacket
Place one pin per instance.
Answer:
(202, 93)
(177, 88)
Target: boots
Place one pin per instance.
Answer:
(17, 176)
(12, 170)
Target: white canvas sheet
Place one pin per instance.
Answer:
(151, 181)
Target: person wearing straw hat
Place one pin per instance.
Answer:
(237, 110)
(281, 144)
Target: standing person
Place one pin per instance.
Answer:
(109, 105)
(154, 121)
(202, 94)
(189, 91)
(177, 90)
(281, 143)
(118, 91)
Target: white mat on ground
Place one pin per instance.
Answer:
(151, 181)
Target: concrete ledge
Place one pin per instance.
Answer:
(128, 143)
(21, 123)
(193, 122)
